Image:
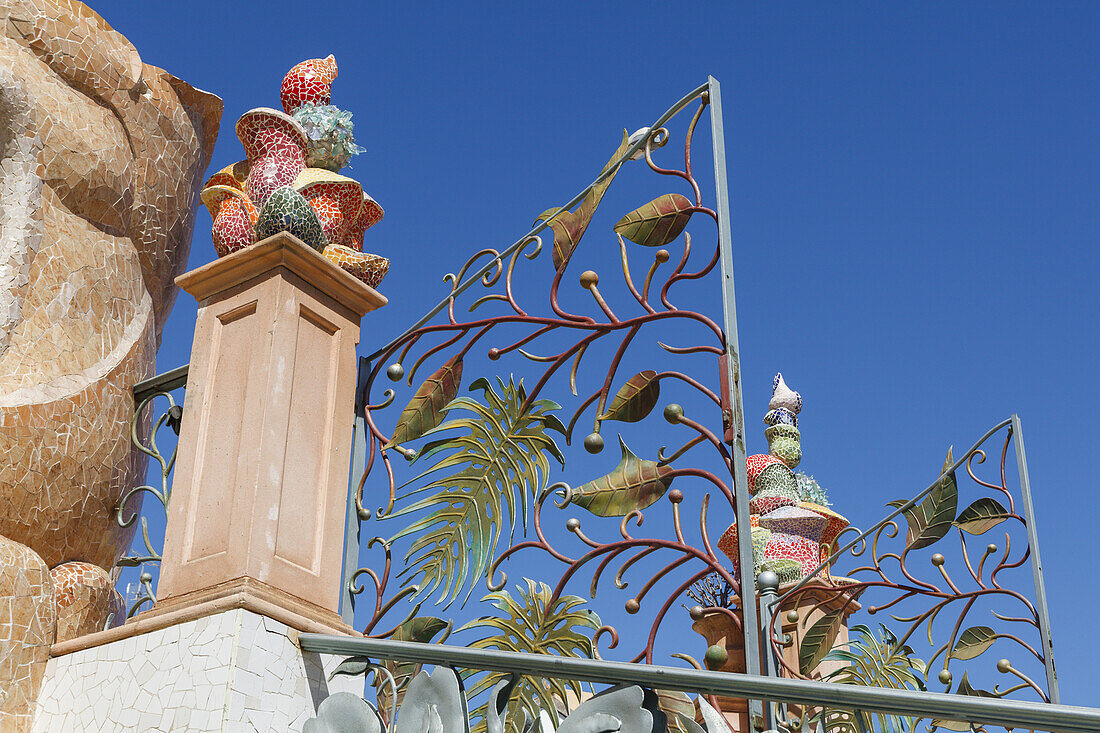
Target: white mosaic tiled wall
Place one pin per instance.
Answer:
(234, 672)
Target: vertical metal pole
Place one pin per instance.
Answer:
(1036, 562)
(351, 521)
(768, 587)
(732, 377)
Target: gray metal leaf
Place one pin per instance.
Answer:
(344, 712)
(714, 720)
(622, 708)
(433, 704)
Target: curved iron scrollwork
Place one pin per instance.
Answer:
(131, 504)
(960, 603)
(492, 455)
(483, 462)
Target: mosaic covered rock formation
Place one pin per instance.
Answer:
(290, 182)
(793, 530)
(100, 157)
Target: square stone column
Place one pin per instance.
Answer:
(256, 519)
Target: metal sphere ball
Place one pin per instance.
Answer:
(673, 413)
(945, 676)
(991, 549)
(1003, 665)
(146, 578)
(589, 278)
(675, 496)
(662, 256)
(632, 606)
(716, 657)
(767, 580)
(593, 442)
(696, 612)
(395, 371)
(573, 524)
(792, 617)
(493, 354)
(938, 560)
(364, 514)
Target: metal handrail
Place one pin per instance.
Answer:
(934, 705)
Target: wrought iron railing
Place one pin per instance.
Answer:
(371, 656)
(484, 458)
(443, 521)
(160, 396)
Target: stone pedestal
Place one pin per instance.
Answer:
(256, 519)
(719, 629)
(226, 673)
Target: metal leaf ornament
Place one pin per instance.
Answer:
(426, 408)
(421, 629)
(873, 660)
(930, 520)
(658, 222)
(981, 516)
(569, 226)
(531, 623)
(635, 399)
(973, 642)
(818, 641)
(633, 484)
(493, 469)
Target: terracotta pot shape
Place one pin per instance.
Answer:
(234, 218)
(276, 148)
(334, 197)
(370, 213)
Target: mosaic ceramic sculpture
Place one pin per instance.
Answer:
(784, 440)
(793, 530)
(290, 181)
(101, 160)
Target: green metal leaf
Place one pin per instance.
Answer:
(982, 516)
(634, 484)
(973, 642)
(873, 661)
(930, 520)
(657, 223)
(569, 227)
(418, 628)
(491, 468)
(635, 399)
(532, 624)
(818, 641)
(425, 410)
(965, 688)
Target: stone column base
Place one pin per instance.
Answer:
(231, 671)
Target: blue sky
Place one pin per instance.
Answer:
(913, 193)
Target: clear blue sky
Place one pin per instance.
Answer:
(914, 194)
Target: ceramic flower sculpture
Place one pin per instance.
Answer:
(793, 530)
(290, 181)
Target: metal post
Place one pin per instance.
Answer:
(358, 465)
(768, 586)
(1036, 562)
(732, 376)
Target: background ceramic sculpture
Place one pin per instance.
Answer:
(291, 178)
(101, 155)
(793, 530)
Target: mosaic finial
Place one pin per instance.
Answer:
(309, 82)
(784, 440)
(784, 397)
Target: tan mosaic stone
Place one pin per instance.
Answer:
(101, 157)
(26, 632)
(84, 595)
